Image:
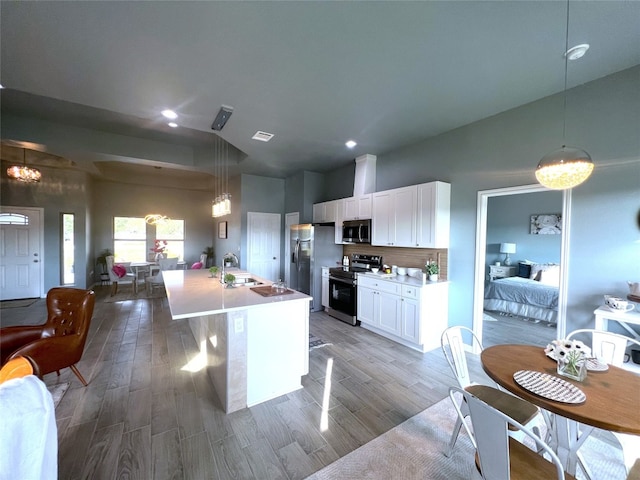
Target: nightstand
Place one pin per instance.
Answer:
(502, 271)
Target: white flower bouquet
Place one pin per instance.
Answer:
(571, 355)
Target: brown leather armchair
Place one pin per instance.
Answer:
(58, 343)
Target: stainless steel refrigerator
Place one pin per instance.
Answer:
(312, 247)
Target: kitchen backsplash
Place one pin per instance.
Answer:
(404, 257)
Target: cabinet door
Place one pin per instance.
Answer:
(318, 212)
(381, 219)
(410, 320)
(368, 305)
(364, 206)
(350, 208)
(403, 230)
(339, 219)
(389, 312)
(330, 211)
(433, 215)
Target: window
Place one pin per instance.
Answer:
(129, 239)
(68, 248)
(13, 219)
(172, 231)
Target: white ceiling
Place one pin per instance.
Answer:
(314, 74)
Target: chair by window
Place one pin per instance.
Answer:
(59, 342)
(498, 455)
(128, 278)
(452, 345)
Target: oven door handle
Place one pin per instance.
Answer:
(343, 281)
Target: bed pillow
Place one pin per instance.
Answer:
(540, 267)
(524, 270)
(550, 276)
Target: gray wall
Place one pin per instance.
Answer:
(508, 220)
(603, 117)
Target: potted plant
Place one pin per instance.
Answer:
(432, 271)
(209, 252)
(214, 271)
(229, 278)
(230, 260)
(102, 261)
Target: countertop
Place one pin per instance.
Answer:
(403, 279)
(193, 293)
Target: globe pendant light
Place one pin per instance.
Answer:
(569, 166)
(23, 173)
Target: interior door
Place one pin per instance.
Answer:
(263, 244)
(21, 267)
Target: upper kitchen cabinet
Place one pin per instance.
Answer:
(433, 215)
(393, 217)
(357, 208)
(324, 212)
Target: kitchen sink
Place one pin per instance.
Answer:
(246, 281)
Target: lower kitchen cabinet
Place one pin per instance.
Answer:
(412, 315)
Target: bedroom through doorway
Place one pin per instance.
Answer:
(521, 302)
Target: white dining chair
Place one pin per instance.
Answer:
(156, 280)
(498, 455)
(128, 278)
(453, 349)
(611, 348)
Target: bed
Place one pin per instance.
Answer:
(533, 293)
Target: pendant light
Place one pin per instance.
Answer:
(566, 167)
(23, 173)
(155, 218)
(222, 202)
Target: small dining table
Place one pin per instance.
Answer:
(612, 396)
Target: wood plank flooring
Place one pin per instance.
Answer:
(144, 415)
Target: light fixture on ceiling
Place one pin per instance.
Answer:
(173, 124)
(170, 114)
(155, 218)
(566, 167)
(350, 144)
(222, 117)
(24, 173)
(222, 201)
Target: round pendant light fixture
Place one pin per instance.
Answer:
(566, 167)
(24, 173)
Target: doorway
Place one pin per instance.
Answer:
(263, 245)
(22, 262)
(480, 256)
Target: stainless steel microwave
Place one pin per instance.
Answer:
(356, 231)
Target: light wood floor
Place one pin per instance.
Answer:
(145, 417)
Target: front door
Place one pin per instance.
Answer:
(263, 244)
(21, 263)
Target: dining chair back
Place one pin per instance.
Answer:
(608, 346)
(157, 280)
(498, 455)
(452, 344)
(115, 279)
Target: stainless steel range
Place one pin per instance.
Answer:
(343, 291)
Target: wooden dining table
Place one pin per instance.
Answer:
(612, 397)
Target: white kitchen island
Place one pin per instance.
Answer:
(254, 348)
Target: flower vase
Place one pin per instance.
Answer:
(433, 277)
(159, 255)
(573, 367)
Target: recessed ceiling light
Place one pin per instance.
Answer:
(172, 124)
(262, 136)
(1, 86)
(351, 144)
(170, 114)
(577, 52)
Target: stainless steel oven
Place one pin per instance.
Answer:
(343, 300)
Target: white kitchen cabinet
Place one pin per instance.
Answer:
(339, 219)
(403, 310)
(433, 217)
(324, 212)
(325, 287)
(394, 217)
(357, 208)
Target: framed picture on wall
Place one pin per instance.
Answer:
(222, 230)
(546, 224)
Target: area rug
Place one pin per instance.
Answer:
(415, 450)
(27, 302)
(57, 392)
(315, 342)
(128, 295)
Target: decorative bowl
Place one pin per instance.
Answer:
(402, 271)
(414, 272)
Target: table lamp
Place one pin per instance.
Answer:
(507, 248)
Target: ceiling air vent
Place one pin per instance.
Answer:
(262, 136)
